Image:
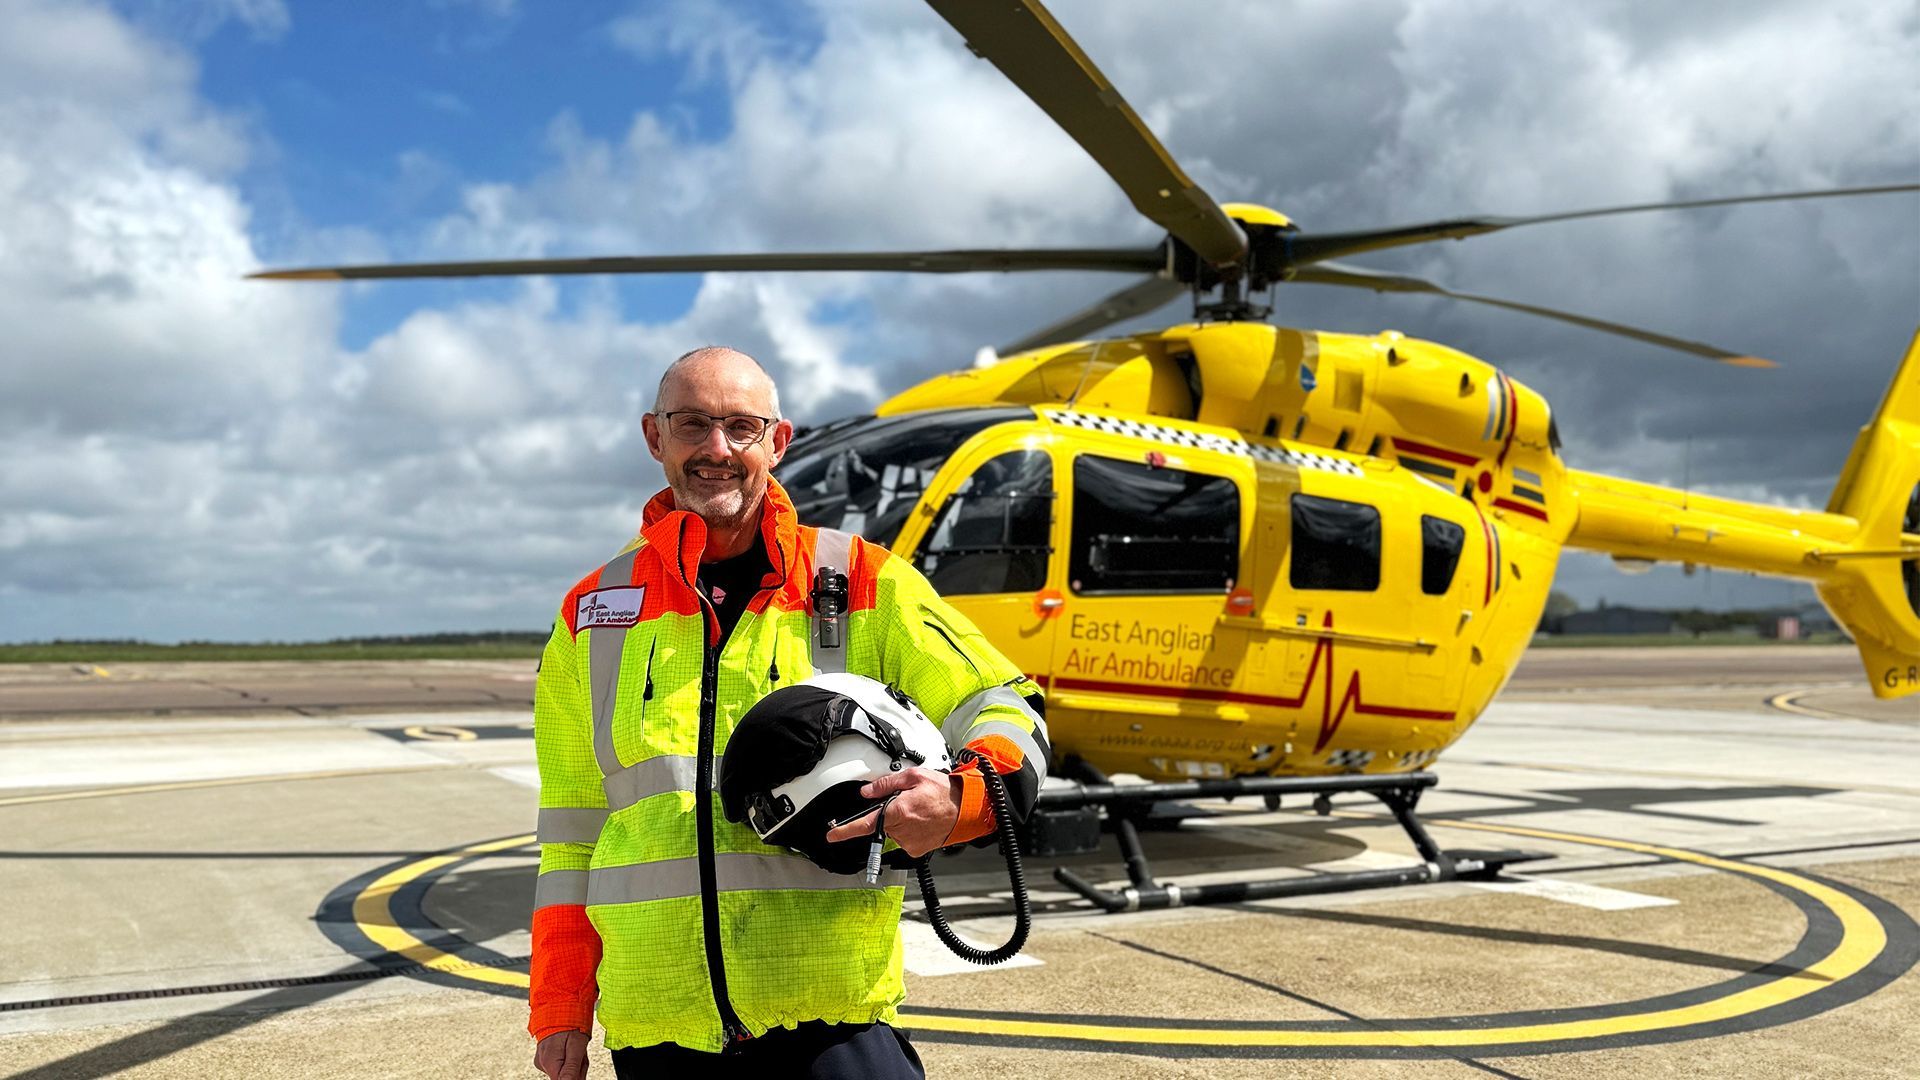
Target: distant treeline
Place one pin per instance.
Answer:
(1805, 622)
(482, 637)
(481, 645)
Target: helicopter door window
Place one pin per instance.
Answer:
(1440, 542)
(1141, 529)
(992, 535)
(1336, 545)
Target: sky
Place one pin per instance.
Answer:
(193, 456)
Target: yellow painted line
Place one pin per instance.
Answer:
(1862, 939)
(224, 781)
(438, 733)
(373, 914)
(1789, 702)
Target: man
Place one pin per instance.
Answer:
(706, 949)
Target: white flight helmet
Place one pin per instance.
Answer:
(795, 763)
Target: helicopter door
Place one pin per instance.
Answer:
(989, 548)
(1152, 553)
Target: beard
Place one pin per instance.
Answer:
(724, 505)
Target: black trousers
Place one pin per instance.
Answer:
(816, 1050)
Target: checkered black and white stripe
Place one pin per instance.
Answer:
(1199, 440)
(1418, 759)
(1350, 759)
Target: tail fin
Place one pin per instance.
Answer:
(1875, 593)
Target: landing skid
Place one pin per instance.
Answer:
(1064, 813)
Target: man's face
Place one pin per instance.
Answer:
(715, 478)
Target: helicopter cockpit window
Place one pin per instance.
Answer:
(866, 475)
(1137, 528)
(992, 535)
(1440, 542)
(1336, 545)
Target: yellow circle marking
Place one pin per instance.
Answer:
(1862, 938)
(1790, 702)
(438, 733)
(373, 913)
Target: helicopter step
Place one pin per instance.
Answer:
(1066, 821)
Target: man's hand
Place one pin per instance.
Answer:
(921, 816)
(562, 1055)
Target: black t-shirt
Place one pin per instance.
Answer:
(731, 583)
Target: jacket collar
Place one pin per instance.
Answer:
(680, 536)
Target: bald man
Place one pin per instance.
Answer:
(705, 949)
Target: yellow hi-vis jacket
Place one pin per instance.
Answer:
(705, 935)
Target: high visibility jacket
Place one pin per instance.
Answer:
(688, 928)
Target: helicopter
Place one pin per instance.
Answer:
(1250, 559)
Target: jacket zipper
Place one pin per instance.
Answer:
(732, 1032)
(646, 695)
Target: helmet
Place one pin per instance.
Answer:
(795, 763)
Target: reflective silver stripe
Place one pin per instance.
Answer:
(956, 727)
(1029, 748)
(652, 776)
(744, 870)
(566, 825)
(963, 725)
(603, 661)
(835, 549)
(670, 878)
(560, 887)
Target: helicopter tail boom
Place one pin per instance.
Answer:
(1862, 553)
(1878, 600)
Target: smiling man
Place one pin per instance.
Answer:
(706, 949)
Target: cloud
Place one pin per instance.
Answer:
(194, 20)
(206, 455)
(122, 248)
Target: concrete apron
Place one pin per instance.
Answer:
(1753, 924)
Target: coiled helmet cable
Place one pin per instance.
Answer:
(1010, 850)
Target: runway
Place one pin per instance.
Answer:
(330, 875)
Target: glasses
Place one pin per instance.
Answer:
(741, 429)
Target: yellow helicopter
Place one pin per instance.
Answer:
(1249, 559)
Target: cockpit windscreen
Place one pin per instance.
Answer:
(865, 476)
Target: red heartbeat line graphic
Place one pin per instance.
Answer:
(1330, 717)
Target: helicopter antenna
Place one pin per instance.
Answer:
(1077, 387)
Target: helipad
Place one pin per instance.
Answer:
(1731, 894)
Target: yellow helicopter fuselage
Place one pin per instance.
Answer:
(1233, 549)
(1378, 672)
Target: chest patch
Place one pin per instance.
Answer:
(610, 607)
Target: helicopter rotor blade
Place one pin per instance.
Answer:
(1312, 248)
(1327, 273)
(1136, 299)
(927, 262)
(1022, 39)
